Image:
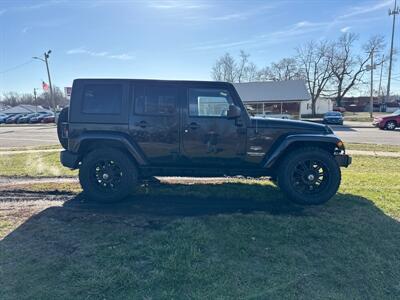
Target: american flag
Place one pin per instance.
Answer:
(45, 86)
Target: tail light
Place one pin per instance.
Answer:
(64, 130)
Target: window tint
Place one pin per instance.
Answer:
(102, 99)
(208, 102)
(157, 100)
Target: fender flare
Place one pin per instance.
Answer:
(290, 139)
(119, 138)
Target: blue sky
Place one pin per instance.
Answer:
(166, 39)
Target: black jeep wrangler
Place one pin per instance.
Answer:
(120, 131)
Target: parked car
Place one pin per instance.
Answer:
(333, 117)
(39, 118)
(26, 118)
(13, 119)
(339, 109)
(389, 122)
(49, 119)
(3, 118)
(189, 128)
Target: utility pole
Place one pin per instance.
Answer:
(371, 101)
(380, 77)
(393, 13)
(34, 95)
(45, 60)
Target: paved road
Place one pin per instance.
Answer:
(368, 135)
(23, 136)
(46, 135)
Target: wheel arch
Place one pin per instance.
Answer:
(326, 142)
(89, 142)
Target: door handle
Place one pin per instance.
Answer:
(194, 125)
(141, 124)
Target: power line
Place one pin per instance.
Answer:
(16, 67)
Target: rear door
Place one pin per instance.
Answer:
(209, 138)
(154, 123)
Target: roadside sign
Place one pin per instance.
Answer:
(67, 91)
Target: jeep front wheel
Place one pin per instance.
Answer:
(309, 176)
(107, 175)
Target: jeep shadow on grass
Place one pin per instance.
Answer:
(121, 132)
(199, 241)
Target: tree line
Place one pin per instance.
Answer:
(329, 68)
(42, 98)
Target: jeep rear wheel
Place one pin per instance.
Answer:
(391, 125)
(107, 175)
(309, 176)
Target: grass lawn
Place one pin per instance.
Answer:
(236, 239)
(38, 164)
(372, 147)
(361, 116)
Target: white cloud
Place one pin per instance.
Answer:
(360, 10)
(345, 29)
(176, 4)
(122, 56)
(293, 31)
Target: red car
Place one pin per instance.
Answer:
(389, 122)
(48, 119)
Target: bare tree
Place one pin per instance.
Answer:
(242, 66)
(315, 61)
(225, 69)
(43, 99)
(348, 68)
(285, 69)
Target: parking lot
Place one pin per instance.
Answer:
(27, 136)
(38, 135)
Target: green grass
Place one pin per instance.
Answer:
(41, 164)
(372, 147)
(43, 147)
(361, 116)
(235, 240)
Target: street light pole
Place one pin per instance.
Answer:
(393, 12)
(45, 60)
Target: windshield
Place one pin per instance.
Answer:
(333, 113)
(396, 113)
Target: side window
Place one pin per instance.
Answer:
(209, 102)
(157, 100)
(102, 99)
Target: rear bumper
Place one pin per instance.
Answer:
(343, 160)
(69, 159)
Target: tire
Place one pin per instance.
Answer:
(391, 125)
(309, 176)
(62, 118)
(121, 172)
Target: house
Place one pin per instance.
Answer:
(322, 106)
(280, 99)
(25, 109)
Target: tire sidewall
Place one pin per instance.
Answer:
(391, 122)
(128, 180)
(291, 162)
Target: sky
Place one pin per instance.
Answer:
(168, 39)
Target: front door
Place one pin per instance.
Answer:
(209, 138)
(154, 124)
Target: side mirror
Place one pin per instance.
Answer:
(234, 112)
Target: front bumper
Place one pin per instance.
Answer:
(69, 159)
(343, 160)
